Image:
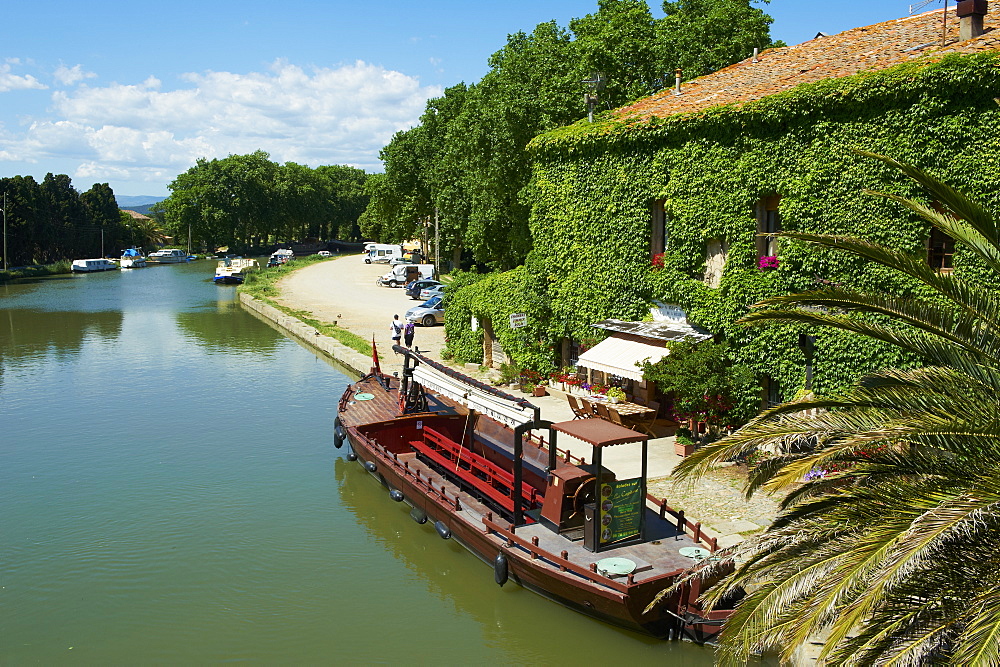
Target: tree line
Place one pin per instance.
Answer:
(464, 168)
(51, 221)
(249, 201)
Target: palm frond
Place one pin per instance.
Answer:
(962, 206)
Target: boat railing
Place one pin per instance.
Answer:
(683, 524)
(542, 444)
(562, 561)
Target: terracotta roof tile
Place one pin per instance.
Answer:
(872, 47)
(135, 214)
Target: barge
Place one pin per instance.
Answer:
(487, 472)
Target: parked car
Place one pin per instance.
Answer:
(427, 314)
(428, 292)
(413, 288)
(325, 253)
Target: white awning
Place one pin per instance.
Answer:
(619, 356)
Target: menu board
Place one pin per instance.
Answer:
(620, 509)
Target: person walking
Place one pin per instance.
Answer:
(408, 331)
(396, 327)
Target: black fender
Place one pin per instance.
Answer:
(500, 573)
(370, 466)
(396, 495)
(442, 530)
(338, 433)
(418, 515)
(351, 454)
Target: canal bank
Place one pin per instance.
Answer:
(344, 291)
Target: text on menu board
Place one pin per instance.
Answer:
(620, 509)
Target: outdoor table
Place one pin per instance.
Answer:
(625, 409)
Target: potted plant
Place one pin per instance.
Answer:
(539, 389)
(616, 394)
(683, 444)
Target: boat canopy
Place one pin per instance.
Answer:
(599, 432)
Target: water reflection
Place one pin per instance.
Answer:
(27, 336)
(225, 326)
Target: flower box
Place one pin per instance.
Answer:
(681, 449)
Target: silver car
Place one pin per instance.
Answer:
(431, 291)
(427, 314)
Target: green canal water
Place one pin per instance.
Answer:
(170, 494)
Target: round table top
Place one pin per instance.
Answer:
(696, 553)
(362, 396)
(619, 566)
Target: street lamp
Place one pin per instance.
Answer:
(595, 84)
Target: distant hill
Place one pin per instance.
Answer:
(138, 203)
(144, 209)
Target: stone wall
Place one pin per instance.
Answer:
(353, 361)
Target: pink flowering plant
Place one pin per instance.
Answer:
(767, 263)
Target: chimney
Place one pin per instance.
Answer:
(970, 14)
(677, 81)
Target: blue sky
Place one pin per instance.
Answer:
(132, 93)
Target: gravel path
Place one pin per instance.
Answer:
(343, 290)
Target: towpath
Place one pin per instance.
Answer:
(344, 291)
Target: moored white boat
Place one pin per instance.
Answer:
(92, 265)
(231, 270)
(132, 259)
(168, 256)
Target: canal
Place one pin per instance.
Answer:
(169, 493)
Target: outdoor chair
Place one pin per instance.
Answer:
(588, 407)
(602, 411)
(579, 411)
(616, 418)
(646, 424)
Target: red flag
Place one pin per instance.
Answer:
(375, 365)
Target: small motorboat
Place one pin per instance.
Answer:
(132, 259)
(231, 270)
(92, 265)
(168, 256)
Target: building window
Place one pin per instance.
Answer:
(768, 224)
(658, 228)
(770, 394)
(940, 251)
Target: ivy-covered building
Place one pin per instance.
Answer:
(671, 198)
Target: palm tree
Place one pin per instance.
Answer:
(148, 232)
(888, 542)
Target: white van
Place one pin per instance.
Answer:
(382, 253)
(402, 274)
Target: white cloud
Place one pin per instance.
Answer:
(339, 115)
(9, 81)
(67, 76)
